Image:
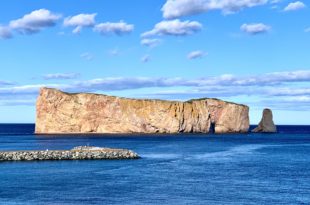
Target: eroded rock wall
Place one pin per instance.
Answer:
(59, 112)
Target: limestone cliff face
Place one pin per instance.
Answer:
(228, 117)
(59, 112)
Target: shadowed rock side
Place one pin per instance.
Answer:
(266, 124)
(59, 112)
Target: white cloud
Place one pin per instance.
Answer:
(289, 91)
(221, 82)
(196, 54)
(255, 28)
(87, 56)
(275, 1)
(281, 77)
(150, 42)
(60, 76)
(4, 83)
(145, 58)
(61, 33)
(179, 8)
(80, 21)
(295, 6)
(77, 30)
(275, 4)
(278, 87)
(114, 52)
(265, 96)
(5, 32)
(18, 102)
(174, 28)
(118, 28)
(24, 89)
(35, 21)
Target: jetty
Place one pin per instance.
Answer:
(77, 153)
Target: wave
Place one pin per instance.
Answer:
(230, 153)
(161, 156)
(220, 155)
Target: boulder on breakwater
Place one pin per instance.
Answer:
(77, 153)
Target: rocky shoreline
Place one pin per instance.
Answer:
(77, 153)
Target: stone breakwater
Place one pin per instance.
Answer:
(67, 113)
(77, 153)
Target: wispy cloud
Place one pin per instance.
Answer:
(17, 102)
(80, 21)
(287, 91)
(5, 32)
(87, 56)
(25, 89)
(296, 103)
(3, 83)
(257, 96)
(63, 76)
(176, 9)
(34, 21)
(294, 6)
(114, 52)
(150, 42)
(307, 30)
(278, 86)
(196, 54)
(227, 80)
(255, 28)
(275, 1)
(145, 58)
(118, 28)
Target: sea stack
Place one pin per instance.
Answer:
(58, 112)
(266, 124)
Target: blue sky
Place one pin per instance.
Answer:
(254, 52)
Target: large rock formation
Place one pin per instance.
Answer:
(59, 112)
(266, 124)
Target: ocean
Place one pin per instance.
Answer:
(174, 169)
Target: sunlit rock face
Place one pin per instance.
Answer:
(228, 117)
(266, 124)
(64, 113)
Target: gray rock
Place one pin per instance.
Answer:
(77, 153)
(266, 124)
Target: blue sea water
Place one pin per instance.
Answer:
(174, 169)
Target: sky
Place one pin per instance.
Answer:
(254, 52)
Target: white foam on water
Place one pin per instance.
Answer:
(210, 156)
(230, 153)
(161, 156)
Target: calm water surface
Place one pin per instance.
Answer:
(174, 169)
